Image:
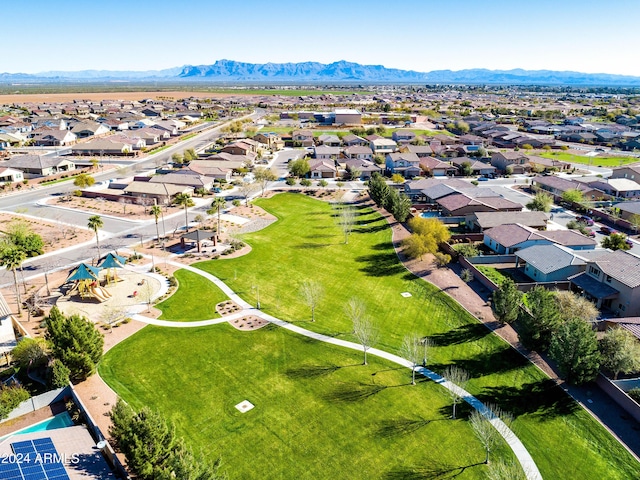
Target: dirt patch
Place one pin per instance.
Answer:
(227, 308)
(250, 322)
(129, 210)
(54, 235)
(96, 97)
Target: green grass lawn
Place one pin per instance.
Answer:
(319, 413)
(195, 299)
(493, 274)
(595, 161)
(307, 243)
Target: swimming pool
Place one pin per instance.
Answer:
(430, 214)
(61, 420)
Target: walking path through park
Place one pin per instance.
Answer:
(521, 453)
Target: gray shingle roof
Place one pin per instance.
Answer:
(622, 266)
(549, 258)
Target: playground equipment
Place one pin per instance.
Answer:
(110, 263)
(87, 283)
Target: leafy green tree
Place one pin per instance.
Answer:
(615, 241)
(11, 258)
(541, 202)
(574, 347)
(84, 180)
(299, 168)
(378, 189)
(10, 398)
(31, 352)
(75, 341)
(58, 374)
(399, 205)
(189, 155)
(571, 305)
(620, 352)
(95, 223)
(21, 236)
(177, 158)
(263, 176)
(538, 324)
(427, 235)
(184, 200)
(506, 301)
(217, 205)
(397, 178)
(156, 211)
(573, 196)
(467, 171)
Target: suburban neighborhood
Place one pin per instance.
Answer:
(205, 267)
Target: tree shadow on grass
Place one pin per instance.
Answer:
(462, 334)
(403, 426)
(369, 222)
(373, 229)
(435, 470)
(381, 264)
(311, 245)
(487, 363)
(313, 371)
(356, 392)
(544, 399)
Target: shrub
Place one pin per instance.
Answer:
(10, 398)
(441, 259)
(290, 181)
(236, 203)
(305, 182)
(635, 394)
(172, 281)
(466, 249)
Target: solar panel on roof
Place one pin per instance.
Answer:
(34, 460)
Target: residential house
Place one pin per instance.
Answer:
(630, 172)
(476, 167)
(52, 137)
(323, 152)
(103, 146)
(613, 281)
(39, 165)
(272, 140)
(461, 204)
(509, 238)
(518, 162)
(323, 169)
(365, 167)
(427, 190)
(436, 168)
(557, 186)
(617, 187)
(550, 263)
(351, 140)
(420, 150)
(481, 221)
(302, 138)
(405, 164)
(136, 141)
(162, 192)
(403, 136)
(382, 146)
(329, 140)
(89, 128)
(10, 175)
(186, 178)
(548, 164)
(359, 152)
(629, 211)
(219, 170)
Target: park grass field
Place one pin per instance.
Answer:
(595, 161)
(319, 413)
(186, 304)
(307, 243)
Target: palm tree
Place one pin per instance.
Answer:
(216, 205)
(96, 223)
(185, 200)
(12, 259)
(156, 210)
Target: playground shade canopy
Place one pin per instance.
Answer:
(84, 272)
(112, 261)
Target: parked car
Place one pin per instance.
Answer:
(629, 243)
(607, 230)
(588, 221)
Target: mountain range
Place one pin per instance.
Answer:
(230, 71)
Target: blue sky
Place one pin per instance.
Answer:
(591, 36)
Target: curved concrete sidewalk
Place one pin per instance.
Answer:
(522, 454)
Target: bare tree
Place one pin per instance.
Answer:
(355, 309)
(263, 177)
(124, 202)
(246, 189)
(411, 350)
(367, 334)
(487, 434)
(145, 202)
(111, 315)
(506, 471)
(146, 292)
(347, 220)
(459, 378)
(311, 292)
(35, 305)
